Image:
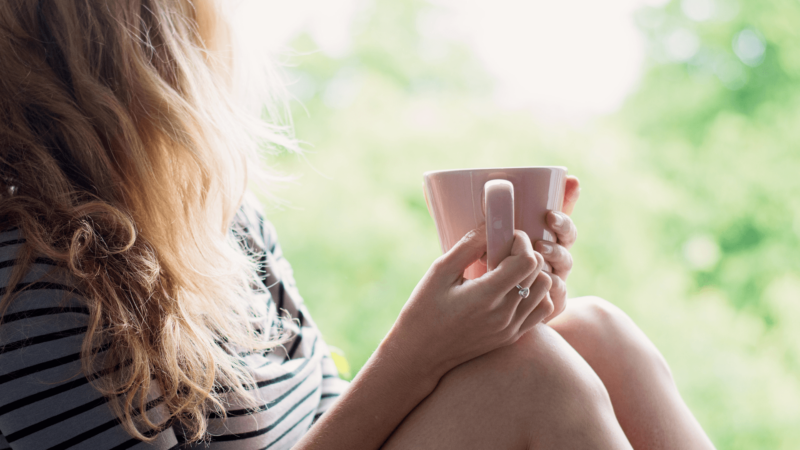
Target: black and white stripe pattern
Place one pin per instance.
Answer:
(46, 402)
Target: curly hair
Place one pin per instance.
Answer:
(124, 155)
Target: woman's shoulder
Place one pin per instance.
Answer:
(46, 400)
(42, 273)
(44, 295)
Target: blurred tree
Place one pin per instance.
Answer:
(717, 113)
(689, 218)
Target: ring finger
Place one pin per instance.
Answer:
(521, 291)
(537, 306)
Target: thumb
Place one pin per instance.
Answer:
(571, 194)
(466, 251)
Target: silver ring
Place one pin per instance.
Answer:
(523, 292)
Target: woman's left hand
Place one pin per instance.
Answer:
(557, 254)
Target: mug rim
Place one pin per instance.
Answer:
(430, 172)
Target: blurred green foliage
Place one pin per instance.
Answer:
(689, 215)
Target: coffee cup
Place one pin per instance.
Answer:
(505, 198)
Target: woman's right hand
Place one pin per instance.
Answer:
(449, 320)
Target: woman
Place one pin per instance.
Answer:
(146, 303)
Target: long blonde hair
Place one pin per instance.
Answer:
(124, 155)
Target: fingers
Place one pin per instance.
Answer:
(558, 294)
(564, 228)
(521, 263)
(571, 194)
(559, 258)
(466, 251)
(537, 306)
(512, 299)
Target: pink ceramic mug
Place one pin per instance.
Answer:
(511, 198)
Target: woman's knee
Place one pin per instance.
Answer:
(537, 391)
(543, 377)
(604, 335)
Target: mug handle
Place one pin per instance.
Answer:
(499, 207)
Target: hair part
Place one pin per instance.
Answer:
(124, 155)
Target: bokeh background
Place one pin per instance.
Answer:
(681, 118)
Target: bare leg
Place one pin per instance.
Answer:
(645, 398)
(536, 393)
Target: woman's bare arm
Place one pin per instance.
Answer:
(448, 320)
(383, 393)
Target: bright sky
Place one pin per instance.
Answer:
(566, 60)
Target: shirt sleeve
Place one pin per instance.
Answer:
(333, 385)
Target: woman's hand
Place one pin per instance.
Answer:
(449, 319)
(557, 255)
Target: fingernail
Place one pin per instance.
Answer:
(558, 221)
(546, 248)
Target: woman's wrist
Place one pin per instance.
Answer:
(389, 386)
(402, 350)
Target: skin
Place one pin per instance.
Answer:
(469, 364)
(557, 254)
(646, 400)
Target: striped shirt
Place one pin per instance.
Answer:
(46, 402)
